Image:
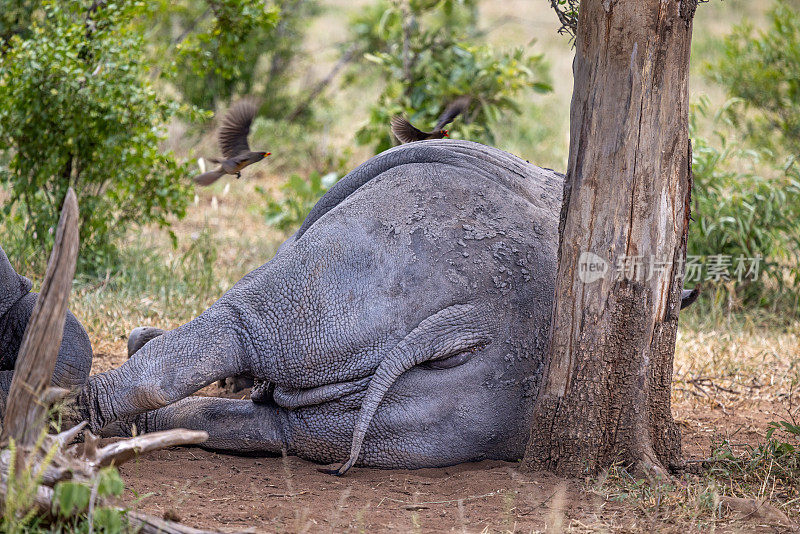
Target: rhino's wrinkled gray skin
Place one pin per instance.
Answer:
(16, 305)
(404, 324)
(140, 335)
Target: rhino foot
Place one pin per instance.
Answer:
(140, 335)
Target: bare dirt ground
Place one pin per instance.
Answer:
(232, 493)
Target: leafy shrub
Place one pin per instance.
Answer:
(744, 208)
(763, 69)
(429, 52)
(747, 204)
(299, 196)
(775, 464)
(215, 49)
(16, 19)
(71, 503)
(76, 110)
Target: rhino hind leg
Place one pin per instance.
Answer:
(140, 335)
(232, 425)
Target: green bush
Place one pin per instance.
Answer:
(71, 504)
(746, 203)
(16, 18)
(427, 53)
(76, 109)
(774, 463)
(73, 509)
(763, 69)
(213, 50)
(744, 208)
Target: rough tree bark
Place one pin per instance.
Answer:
(606, 395)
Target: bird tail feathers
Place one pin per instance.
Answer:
(208, 178)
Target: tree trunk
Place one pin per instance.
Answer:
(623, 228)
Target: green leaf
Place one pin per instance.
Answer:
(70, 497)
(432, 55)
(110, 483)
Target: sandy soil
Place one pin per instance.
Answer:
(232, 493)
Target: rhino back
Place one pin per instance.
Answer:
(541, 187)
(435, 224)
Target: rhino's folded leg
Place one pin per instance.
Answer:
(168, 368)
(232, 425)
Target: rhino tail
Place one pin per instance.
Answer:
(457, 329)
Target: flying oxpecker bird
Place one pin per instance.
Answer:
(232, 139)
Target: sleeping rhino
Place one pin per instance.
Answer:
(402, 326)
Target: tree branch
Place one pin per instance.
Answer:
(568, 17)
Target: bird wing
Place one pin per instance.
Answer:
(244, 157)
(456, 107)
(405, 131)
(235, 128)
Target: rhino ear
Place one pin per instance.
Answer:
(688, 296)
(12, 286)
